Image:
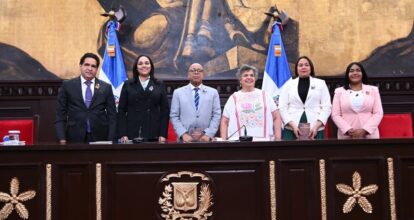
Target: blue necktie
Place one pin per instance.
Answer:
(196, 98)
(88, 100)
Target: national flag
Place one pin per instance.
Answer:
(277, 70)
(113, 66)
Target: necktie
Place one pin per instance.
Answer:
(88, 100)
(88, 93)
(196, 98)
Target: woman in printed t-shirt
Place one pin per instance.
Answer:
(252, 108)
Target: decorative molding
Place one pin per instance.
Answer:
(188, 173)
(179, 199)
(29, 89)
(14, 200)
(391, 188)
(272, 181)
(225, 87)
(357, 195)
(48, 192)
(386, 85)
(98, 191)
(322, 178)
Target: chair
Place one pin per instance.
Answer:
(396, 125)
(28, 127)
(171, 136)
(330, 129)
(327, 129)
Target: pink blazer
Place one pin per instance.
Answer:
(367, 118)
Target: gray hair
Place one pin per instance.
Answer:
(245, 68)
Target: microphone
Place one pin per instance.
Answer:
(138, 139)
(245, 137)
(141, 139)
(241, 138)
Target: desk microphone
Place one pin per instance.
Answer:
(245, 137)
(138, 139)
(241, 138)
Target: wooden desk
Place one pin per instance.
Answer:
(252, 181)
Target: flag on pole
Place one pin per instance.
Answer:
(113, 66)
(277, 70)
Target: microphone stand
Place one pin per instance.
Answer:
(241, 138)
(245, 138)
(138, 139)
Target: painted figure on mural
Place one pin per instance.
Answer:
(15, 64)
(383, 62)
(219, 34)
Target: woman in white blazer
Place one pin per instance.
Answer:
(304, 99)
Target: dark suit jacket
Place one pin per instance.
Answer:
(147, 110)
(71, 112)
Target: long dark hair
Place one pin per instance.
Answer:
(136, 73)
(348, 68)
(312, 69)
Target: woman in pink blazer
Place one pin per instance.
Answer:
(356, 108)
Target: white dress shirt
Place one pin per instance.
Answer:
(144, 83)
(83, 86)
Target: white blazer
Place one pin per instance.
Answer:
(317, 105)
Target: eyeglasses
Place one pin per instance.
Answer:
(196, 70)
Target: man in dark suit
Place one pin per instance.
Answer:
(86, 106)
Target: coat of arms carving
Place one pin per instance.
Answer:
(186, 196)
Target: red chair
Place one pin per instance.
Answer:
(330, 129)
(396, 126)
(326, 131)
(172, 137)
(27, 126)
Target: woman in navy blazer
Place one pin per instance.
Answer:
(143, 109)
(304, 99)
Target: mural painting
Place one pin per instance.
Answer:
(18, 65)
(220, 34)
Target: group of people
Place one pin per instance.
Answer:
(86, 107)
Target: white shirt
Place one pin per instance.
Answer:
(83, 86)
(144, 83)
(200, 87)
(356, 99)
(250, 113)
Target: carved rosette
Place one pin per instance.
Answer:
(186, 195)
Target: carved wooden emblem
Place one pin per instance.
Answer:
(357, 194)
(186, 196)
(14, 200)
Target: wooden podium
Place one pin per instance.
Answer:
(329, 179)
